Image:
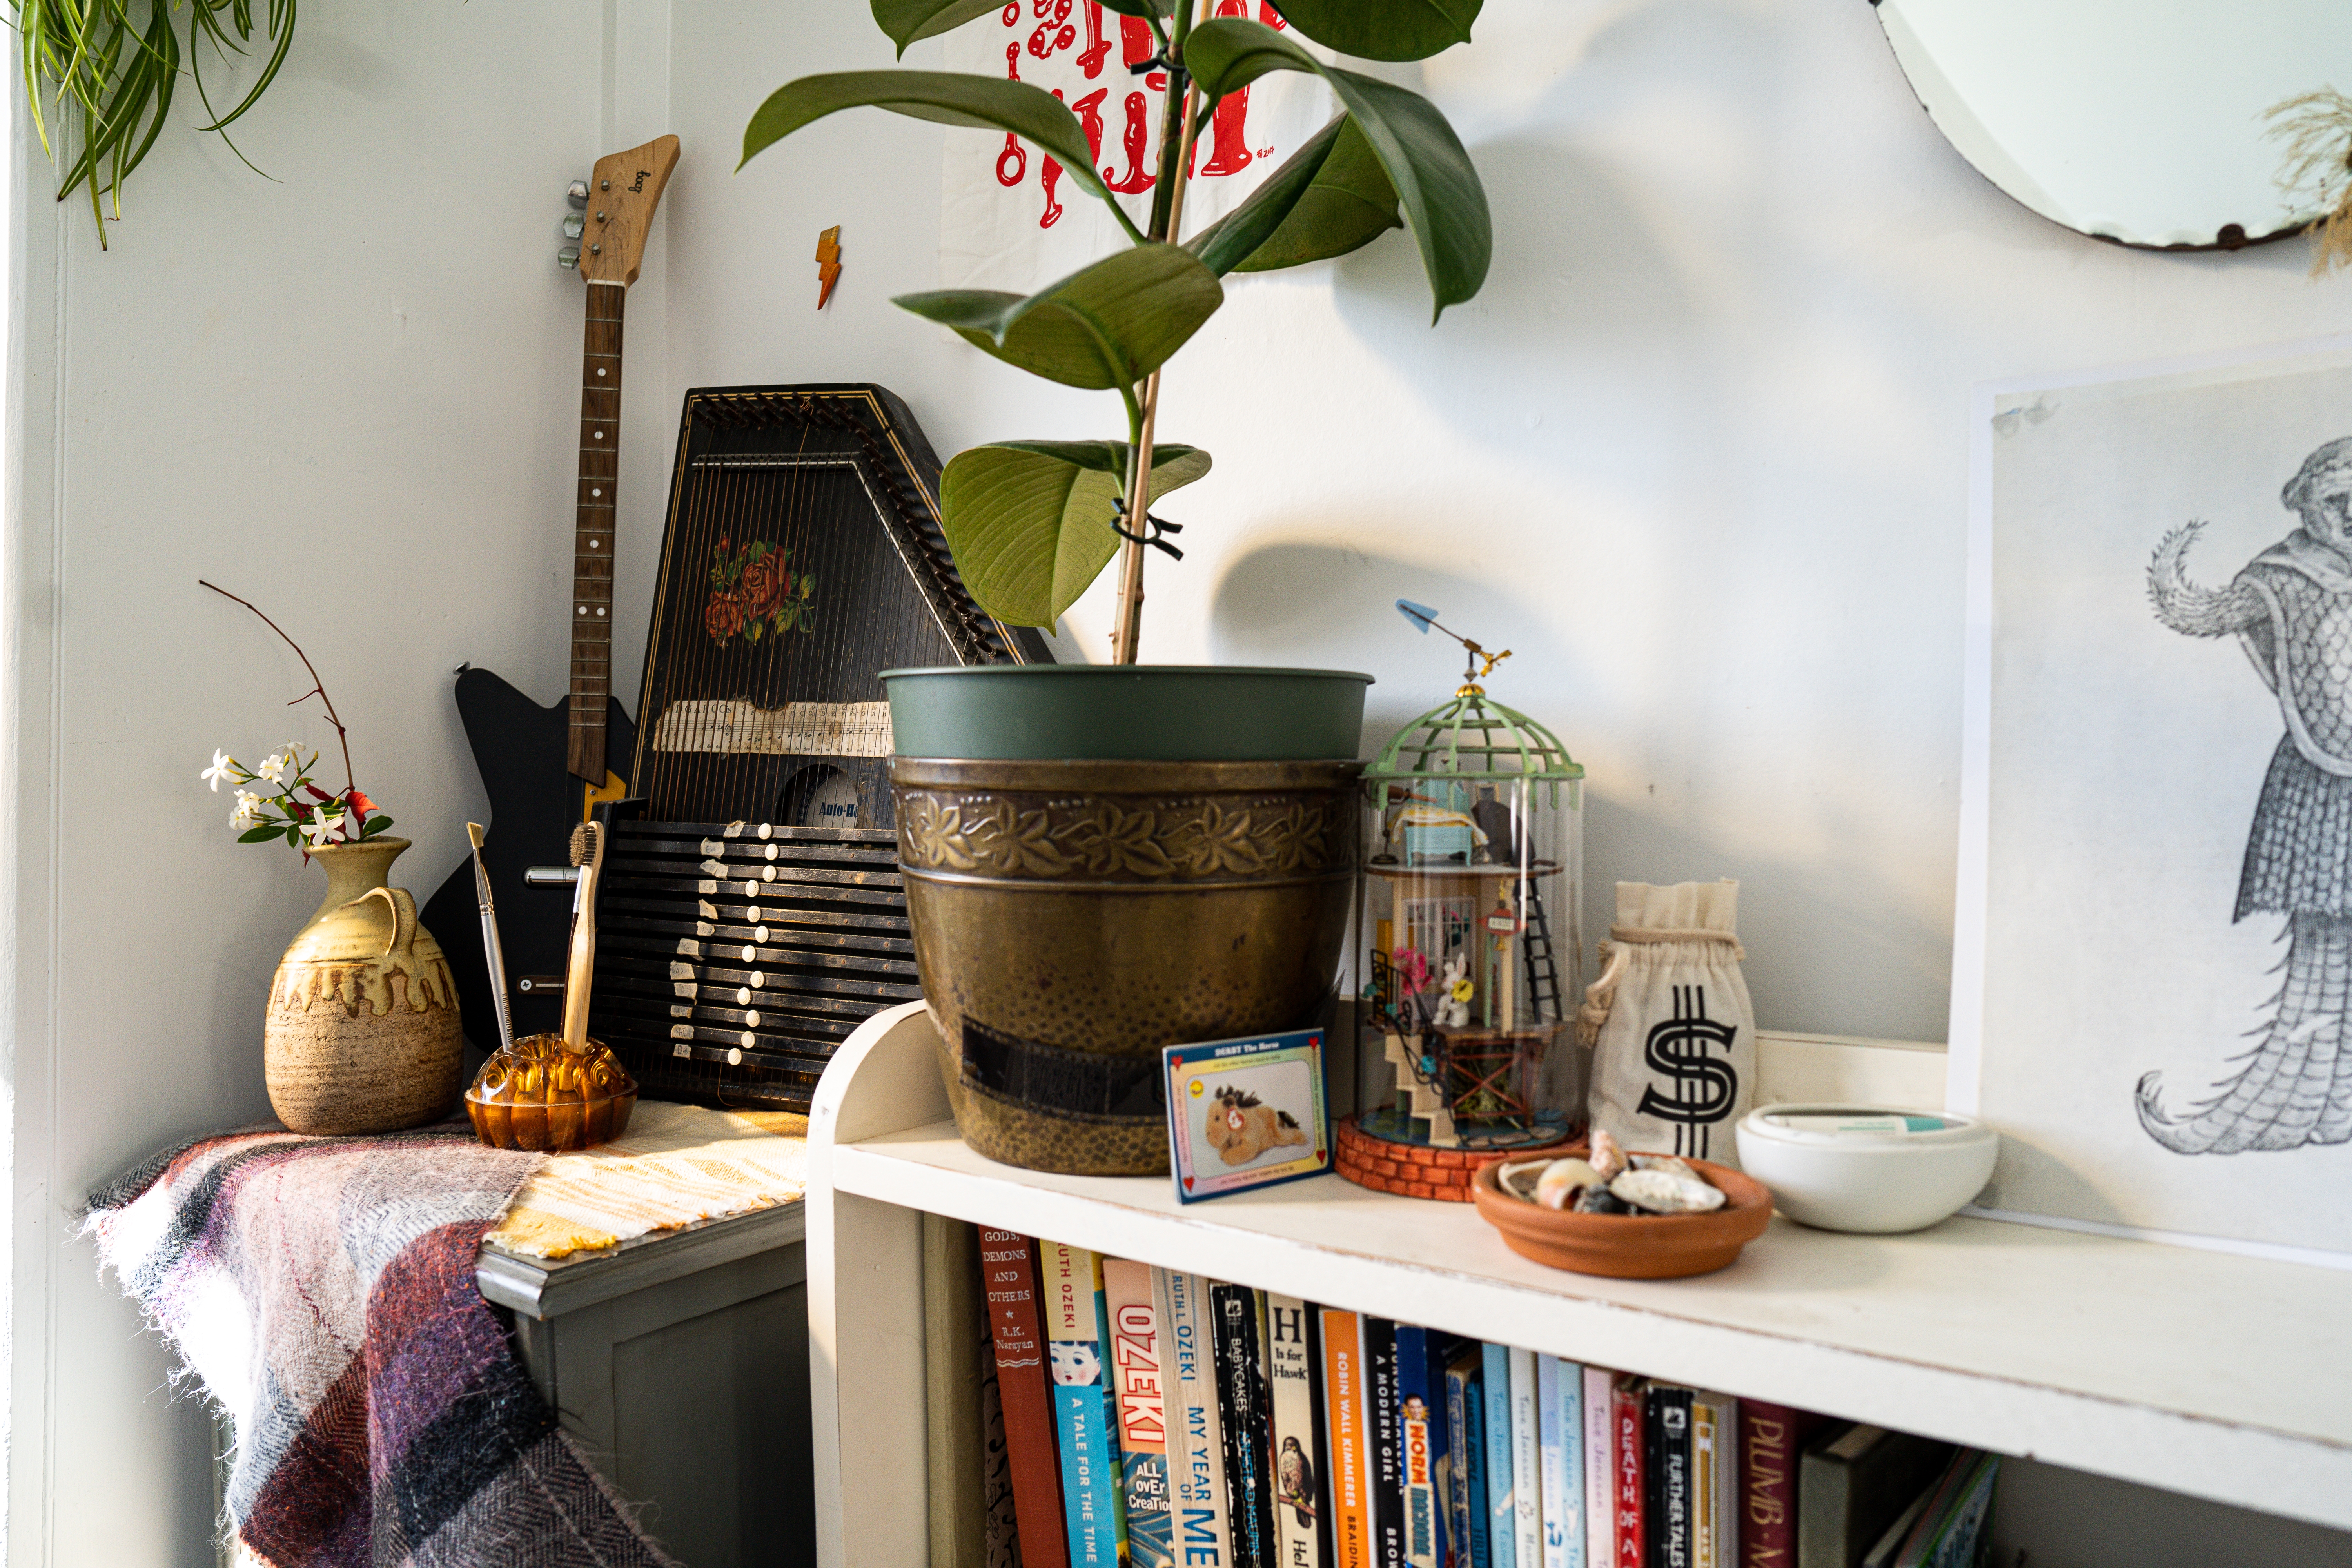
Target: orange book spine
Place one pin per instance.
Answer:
(1348, 1439)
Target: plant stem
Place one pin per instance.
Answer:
(1167, 216)
(318, 686)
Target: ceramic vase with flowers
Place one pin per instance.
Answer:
(362, 1033)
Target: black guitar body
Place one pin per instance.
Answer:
(519, 747)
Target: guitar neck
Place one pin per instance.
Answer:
(591, 544)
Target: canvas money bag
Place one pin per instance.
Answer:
(1671, 1028)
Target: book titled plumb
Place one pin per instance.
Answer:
(1009, 1276)
(1771, 1439)
(1138, 1349)
(1091, 1502)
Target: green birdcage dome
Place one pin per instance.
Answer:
(1471, 738)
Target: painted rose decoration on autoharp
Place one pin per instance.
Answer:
(1011, 219)
(1671, 1030)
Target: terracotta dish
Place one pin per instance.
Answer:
(1630, 1247)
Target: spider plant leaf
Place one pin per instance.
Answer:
(1029, 522)
(1329, 197)
(1102, 328)
(1383, 29)
(948, 97)
(1437, 186)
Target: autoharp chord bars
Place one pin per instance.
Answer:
(731, 966)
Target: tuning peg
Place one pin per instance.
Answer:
(577, 192)
(572, 226)
(568, 257)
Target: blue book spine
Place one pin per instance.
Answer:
(1445, 1457)
(1560, 1417)
(1416, 1409)
(1502, 1518)
(1083, 1417)
(1478, 1510)
(1458, 1378)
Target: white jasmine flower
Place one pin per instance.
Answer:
(249, 811)
(322, 830)
(224, 767)
(273, 767)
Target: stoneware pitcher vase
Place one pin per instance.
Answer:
(363, 1032)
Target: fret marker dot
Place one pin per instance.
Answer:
(594, 493)
(584, 609)
(591, 544)
(600, 611)
(597, 436)
(600, 372)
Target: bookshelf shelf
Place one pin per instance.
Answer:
(2200, 1372)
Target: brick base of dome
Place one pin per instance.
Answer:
(1416, 1170)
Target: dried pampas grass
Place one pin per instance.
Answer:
(2317, 131)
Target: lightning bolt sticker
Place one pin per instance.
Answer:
(828, 263)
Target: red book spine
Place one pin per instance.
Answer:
(1625, 1406)
(1008, 1269)
(1771, 1439)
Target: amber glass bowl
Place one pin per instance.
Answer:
(538, 1095)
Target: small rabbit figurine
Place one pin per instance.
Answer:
(1455, 992)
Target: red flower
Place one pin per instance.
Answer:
(362, 807)
(724, 616)
(764, 583)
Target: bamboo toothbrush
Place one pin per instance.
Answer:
(491, 951)
(588, 854)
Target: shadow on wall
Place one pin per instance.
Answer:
(1821, 931)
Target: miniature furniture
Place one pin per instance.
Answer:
(2202, 1373)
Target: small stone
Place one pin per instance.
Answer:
(1599, 1200)
(1666, 1192)
(1562, 1180)
(1606, 1157)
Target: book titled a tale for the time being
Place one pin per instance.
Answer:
(1091, 1482)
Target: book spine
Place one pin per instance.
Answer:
(1703, 1431)
(1768, 1485)
(1137, 1349)
(1203, 1523)
(1502, 1506)
(1074, 1343)
(1443, 1457)
(1600, 1525)
(1527, 1462)
(1416, 1451)
(1008, 1266)
(1633, 1488)
(1346, 1432)
(1459, 1378)
(1298, 1502)
(1388, 1468)
(1241, 1402)
(1727, 1417)
(1669, 1464)
(1560, 1395)
(1478, 1536)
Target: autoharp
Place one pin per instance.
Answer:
(752, 914)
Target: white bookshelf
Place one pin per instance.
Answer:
(2205, 1374)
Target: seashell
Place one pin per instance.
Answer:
(1664, 1163)
(1667, 1191)
(1562, 1180)
(1606, 1158)
(1519, 1178)
(1599, 1200)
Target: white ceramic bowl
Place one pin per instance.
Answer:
(1858, 1180)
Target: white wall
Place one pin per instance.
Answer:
(1697, 454)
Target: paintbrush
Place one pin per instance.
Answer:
(490, 948)
(588, 854)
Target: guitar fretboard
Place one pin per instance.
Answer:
(591, 545)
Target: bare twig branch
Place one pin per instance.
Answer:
(318, 686)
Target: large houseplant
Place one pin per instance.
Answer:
(1104, 859)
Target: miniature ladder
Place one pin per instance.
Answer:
(1535, 951)
(1428, 1098)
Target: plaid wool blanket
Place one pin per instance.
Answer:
(322, 1291)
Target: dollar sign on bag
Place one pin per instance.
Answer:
(1704, 1085)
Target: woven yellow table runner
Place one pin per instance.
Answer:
(677, 1164)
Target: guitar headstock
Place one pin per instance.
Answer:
(622, 192)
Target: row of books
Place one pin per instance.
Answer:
(1159, 1419)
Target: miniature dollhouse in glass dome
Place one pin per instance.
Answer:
(1472, 885)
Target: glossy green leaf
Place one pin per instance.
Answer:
(1436, 187)
(948, 98)
(1029, 522)
(1329, 197)
(1105, 327)
(1381, 30)
(260, 835)
(1163, 9)
(904, 21)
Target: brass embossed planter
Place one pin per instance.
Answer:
(1071, 918)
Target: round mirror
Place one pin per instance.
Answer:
(2143, 124)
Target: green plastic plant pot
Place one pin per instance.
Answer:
(1136, 712)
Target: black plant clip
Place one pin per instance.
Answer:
(1152, 528)
(1158, 62)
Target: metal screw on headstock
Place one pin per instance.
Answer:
(576, 193)
(603, 185)
(568, 257)
(572, 224)
(595, 250)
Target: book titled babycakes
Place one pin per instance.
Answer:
(1247, 1114)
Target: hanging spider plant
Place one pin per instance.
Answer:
(108, 69)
